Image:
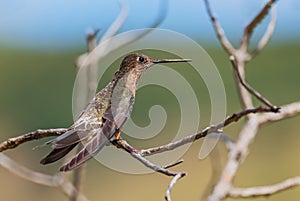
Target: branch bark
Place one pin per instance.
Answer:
(14, 142)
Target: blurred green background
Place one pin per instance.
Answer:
(36, 92)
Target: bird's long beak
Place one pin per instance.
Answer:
(156, 61)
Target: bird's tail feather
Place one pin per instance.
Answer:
(57, 154)
(89, 150)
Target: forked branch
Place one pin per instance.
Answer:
(256, 20)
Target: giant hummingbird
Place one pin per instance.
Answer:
(104, 116)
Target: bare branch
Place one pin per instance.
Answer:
(267, 36)
(213, 128)
(35, 135)
(118, 23)
(136, 154)
(251, 26)
(172, 183)
(264, 190)
(57, 181)
(286, 111)
(38, 134)
(236, 116)
(245, 96)
(28, 174)
(250, 89)
(139, 154)
(152, 165)
(219, 30)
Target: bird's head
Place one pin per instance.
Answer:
(139, 63)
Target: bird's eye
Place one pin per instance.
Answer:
(141, 59)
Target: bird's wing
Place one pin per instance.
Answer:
(63, 144)
(86, 126)
(79, 132)
(113, 119)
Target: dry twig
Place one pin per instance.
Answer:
(264, 190)
(219, 30)
(250, 89)
(12, 143)
(57, 181)
(172, 183)
(255, 21)
(267, 36)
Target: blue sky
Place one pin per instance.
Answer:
(62, 24)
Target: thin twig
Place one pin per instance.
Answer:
(12, 143)
(244, 95)
(152, 166)
(136, 154)
(264, 190)
(172, 183)
(219, 30)
(173, 164)
(267, 36)
(251, 26)
(250, 89)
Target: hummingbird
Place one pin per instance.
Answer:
(103, 118)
